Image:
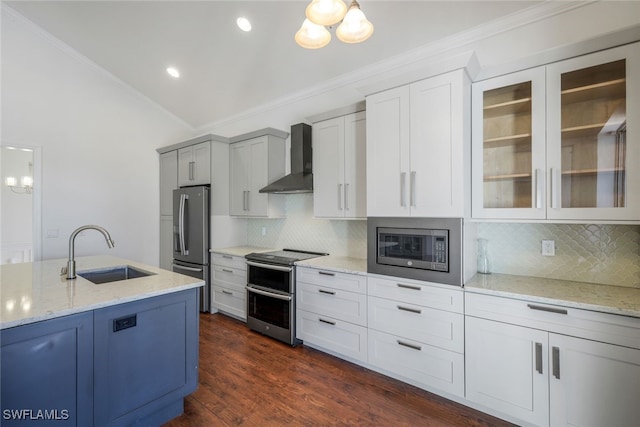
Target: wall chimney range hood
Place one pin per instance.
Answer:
(300, 180)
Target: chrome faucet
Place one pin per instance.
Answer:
(70, 270)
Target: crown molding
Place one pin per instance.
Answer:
(415, 64)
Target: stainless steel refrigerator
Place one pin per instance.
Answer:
(191, 237)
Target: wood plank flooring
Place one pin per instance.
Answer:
(247, 379)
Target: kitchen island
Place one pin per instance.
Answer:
(79, 353)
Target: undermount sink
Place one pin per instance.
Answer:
(113, 274)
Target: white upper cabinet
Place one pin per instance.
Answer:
(592, 149)
(194, 165)
(339, 167)
(553, 142)
(254, 163)
(417, 164)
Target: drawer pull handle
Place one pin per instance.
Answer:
(226, 270)
(549, 309)
(227, 256)
(328, 322)
(324, 273)
(227, 292)
(413, 288)
(555, 356)
(411, 346)
(322, 291)
(539, 357)
(409, 309)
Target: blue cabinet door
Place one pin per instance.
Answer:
(46, 372)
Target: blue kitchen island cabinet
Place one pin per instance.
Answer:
(47, 372)
(77, 353)
(145, 359)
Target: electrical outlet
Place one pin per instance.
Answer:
(548, 248)
(264, 231)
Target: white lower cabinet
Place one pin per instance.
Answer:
(228, 281)
(331, 312)
(411, 338)
(521, 363)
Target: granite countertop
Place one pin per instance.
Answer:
(241, 250)
(31, 292)
(589, 296)
(337, 263)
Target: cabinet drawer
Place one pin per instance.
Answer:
(604, 327)
(343, 305)
(229, 277)
(441, 297)
(434, 327)
(230, 301)
(332, 334)
(232, 261)
(417, 363)
(332, 279)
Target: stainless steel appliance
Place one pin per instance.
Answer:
(191, 237)
(428, 249)
(271, 300)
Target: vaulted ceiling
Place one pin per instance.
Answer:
(225, 71)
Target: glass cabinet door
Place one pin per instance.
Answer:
(508, 146)
(593, 162)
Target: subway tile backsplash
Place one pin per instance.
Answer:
(596, 253)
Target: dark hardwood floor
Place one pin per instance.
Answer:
(247, 379)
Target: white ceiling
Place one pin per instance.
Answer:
(226, 71)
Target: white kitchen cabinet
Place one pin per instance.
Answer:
(228, 281)
(554, 142)
(339, 167)
(417, 157)
(254, 163)
(416, 332)
(194, 165)
(331, 312)
(549, 365)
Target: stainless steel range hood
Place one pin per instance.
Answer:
(300, 180)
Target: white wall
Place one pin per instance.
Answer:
(97, 138)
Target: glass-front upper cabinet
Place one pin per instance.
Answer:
(560, 142)
(593, 151)
(509, 146)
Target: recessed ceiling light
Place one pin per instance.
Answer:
(173, 72)
(244, 24)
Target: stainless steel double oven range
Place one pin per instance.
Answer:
(271, 300)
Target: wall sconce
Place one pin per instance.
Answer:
(25, 187)
(354, 28)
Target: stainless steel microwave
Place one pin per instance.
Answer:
(428, 249)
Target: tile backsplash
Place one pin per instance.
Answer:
(597, 253)
(301, 231)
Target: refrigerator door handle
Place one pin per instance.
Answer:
(182, 267)
(183, 202)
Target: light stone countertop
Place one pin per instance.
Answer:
(240, 250)
(589, 296)
(32, 292)
(337, 263)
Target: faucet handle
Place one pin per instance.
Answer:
(63, 271)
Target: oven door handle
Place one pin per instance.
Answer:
(270, 266)
(268, 294)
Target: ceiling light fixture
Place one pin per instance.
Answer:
(354, 28)
(173, 72)
(244, 24)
